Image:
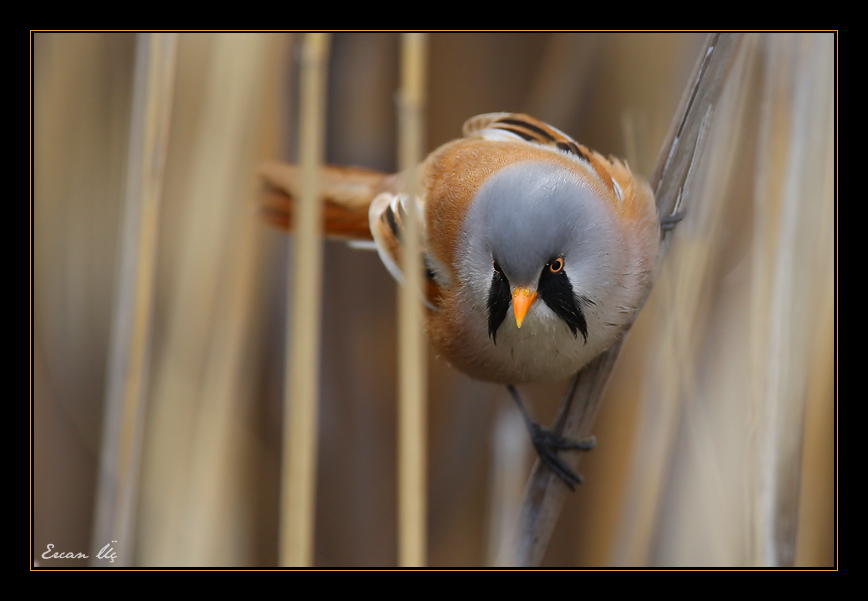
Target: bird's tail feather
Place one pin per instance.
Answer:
(346, 193)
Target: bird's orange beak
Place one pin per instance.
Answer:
(522, 299)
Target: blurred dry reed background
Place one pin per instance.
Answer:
(716, 442)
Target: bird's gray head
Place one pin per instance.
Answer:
(528, 223)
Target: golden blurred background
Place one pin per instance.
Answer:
(717, 439)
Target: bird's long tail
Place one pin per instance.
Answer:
(347, 193)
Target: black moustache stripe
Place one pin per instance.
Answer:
(498, 303)
(557, 292)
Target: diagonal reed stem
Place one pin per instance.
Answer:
(545, 493)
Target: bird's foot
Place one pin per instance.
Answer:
(547, 445)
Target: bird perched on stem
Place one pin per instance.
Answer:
(538, 251)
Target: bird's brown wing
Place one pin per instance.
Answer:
(523, 127)
(503, 126)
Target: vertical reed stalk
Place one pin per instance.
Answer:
(130, 345)
(412, 438)
(299, 461)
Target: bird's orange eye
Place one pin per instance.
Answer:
(557, 265)
(496, 266)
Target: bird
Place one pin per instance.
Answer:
(537, 251)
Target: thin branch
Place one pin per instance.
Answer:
(545, 493)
